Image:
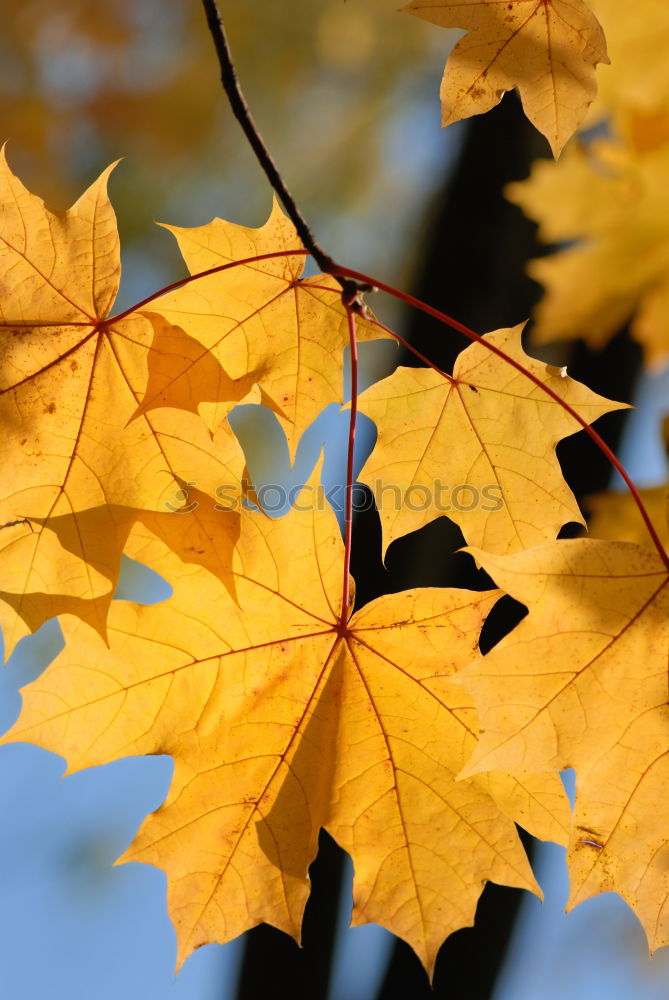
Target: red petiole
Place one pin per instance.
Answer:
(348, 510)
(203, 274)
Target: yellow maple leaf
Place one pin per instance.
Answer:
(261, 318)
(547, 49)
(582, 682)
(613, 199)
(479, 447)
(71, 381)
(58, 559)
(282, 720)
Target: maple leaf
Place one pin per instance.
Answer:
(547, 49)
(479, 446)
(71, 381)
(617, 202)
(58, 562)
(582, 682)
(280, 721)
(260, 317)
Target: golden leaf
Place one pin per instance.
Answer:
(582, 682)
(262, 318)
(479, 447)
(282, 720)
(547, 49)
(71, 381)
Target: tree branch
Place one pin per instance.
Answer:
(241, 112)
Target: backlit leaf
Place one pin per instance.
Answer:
(478, 447)
(280, 721)
(582, 683)
(262, 318)
(70, 383)
(547, 49)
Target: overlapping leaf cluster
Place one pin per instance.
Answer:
(283, 710)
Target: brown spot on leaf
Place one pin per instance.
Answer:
(588, 829)
(591, 838)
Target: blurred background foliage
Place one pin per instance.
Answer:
(339, 95)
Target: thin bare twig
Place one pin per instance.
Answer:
(241, 112)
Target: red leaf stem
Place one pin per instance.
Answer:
(348, 514)
(203, 274)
